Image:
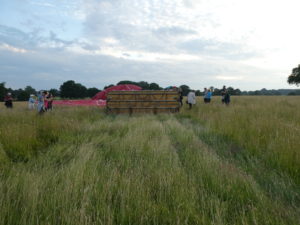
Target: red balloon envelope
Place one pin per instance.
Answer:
(122, 87)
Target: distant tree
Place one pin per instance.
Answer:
(54, 92)
(198, 93)
(91, 92)
(292, 93)
(185, 89)
(81, 91)
(144, 85)
(294, 78)
(108, 86)
(237, 92)
(154, 86)
(127, 82)
(256, 93)
(22, 95)
(30, 90)
(217, 92)
(70, 89)
(3, 91)
(231, 90)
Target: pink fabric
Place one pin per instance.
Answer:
(100, 103)
(123, 87)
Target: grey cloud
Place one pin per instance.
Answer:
(216, 49)
(35, 40)
(116, 19)
(173, 31)
(49, 69)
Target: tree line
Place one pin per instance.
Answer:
(72, 90)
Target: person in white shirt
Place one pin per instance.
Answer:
(191, 98)
(31, 102)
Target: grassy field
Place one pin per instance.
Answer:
(209, 165)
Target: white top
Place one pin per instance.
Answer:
(191, 98)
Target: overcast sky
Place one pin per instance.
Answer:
(247, 44)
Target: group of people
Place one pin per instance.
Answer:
(43, 101)
(191, 97)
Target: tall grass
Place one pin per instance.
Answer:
(81, 166)
(267, 127)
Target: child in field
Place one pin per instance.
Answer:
(8, 101)
(31, 102)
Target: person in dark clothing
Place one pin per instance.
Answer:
(8, 101)
(205, 94)
(180, 97)
(49, 98)
(226, 98)
(223, 93)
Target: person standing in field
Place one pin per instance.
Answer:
(191, 99)
(204, 96)
(8, 101)
(180, 96)
(46, 100)
(208, 95)
(223, 92)
(226, 98)
(31, 102)
(49, 98)
(40, 107)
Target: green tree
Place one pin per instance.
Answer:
(127, 82)
(198, 93)
(237, 92)
(217, 92)
(22, 95)
(30, 90)
(70, 89)
(108, 86)
(294, 78)
(185, 89)
(144, 85)
(154, 86)
(54, 92)
(91, 92)
(3, 91)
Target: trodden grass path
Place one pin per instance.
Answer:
(80, 166)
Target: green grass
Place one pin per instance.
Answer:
(209, 165)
